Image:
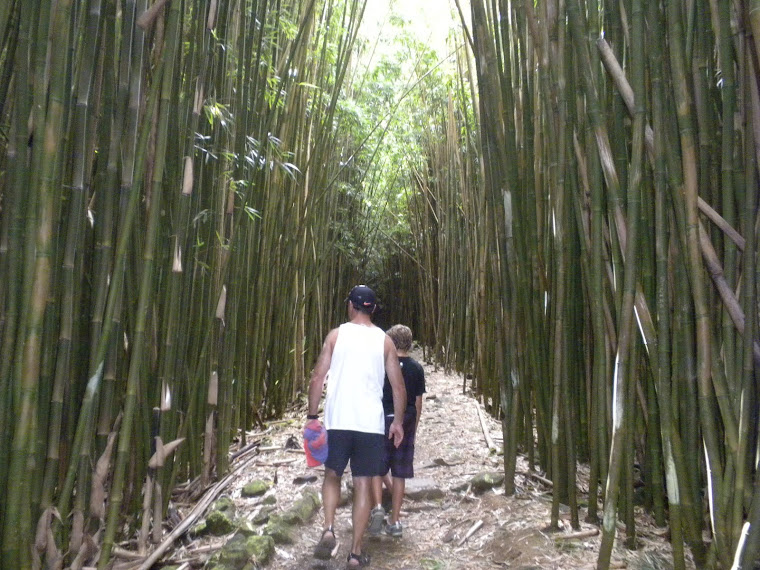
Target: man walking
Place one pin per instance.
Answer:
(357, 355)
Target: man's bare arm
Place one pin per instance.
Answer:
(320, 371)
(396, 380)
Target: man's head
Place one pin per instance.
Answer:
(401, 335)
(363, 299)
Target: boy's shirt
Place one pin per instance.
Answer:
(414, 380)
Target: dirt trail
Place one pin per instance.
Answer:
(451, 448)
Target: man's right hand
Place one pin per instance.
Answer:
(396, 432)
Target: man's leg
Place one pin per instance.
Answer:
(330, 495)
(377, 490)
(397, 497)
(360, 513)
(377, 514)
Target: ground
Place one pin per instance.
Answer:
(452, 447)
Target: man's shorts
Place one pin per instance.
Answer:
(400, 460)
(366, 452)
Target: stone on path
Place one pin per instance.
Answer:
(486, 481)
(422, 489)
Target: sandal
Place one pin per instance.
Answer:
(357, 560)
(326, 543)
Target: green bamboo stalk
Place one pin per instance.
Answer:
(149, 252)
(703, 334)
(18, 173)
(629, 291)
(686, 445)
(112, 318)
(116, 95)
(177, 323)
(82, 152)
(664, 390)
(751, 551)
(557, 183)
(9, 28)
(663, 296)
(598, 441)
(728, 100)
(17, 528)
(6, 14)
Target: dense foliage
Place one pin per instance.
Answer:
(614, 300)
(563, 205)
(180, 221)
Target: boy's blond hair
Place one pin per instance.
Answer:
(401, 335)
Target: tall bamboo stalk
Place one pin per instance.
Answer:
(664, 388)
(18, 523)
(149, 253)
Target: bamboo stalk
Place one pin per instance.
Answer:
(748, 550)
(629, 286)
(135, 368)
(17, 527)
(699, 298)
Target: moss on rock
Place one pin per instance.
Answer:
(219, 523)
(303, 509)
(280, 531)
(256, 488)
(486, 480)
(242, 552)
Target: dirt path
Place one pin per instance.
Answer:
(451, 449)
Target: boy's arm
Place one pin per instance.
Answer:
(418, 406)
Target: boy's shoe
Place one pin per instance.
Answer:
(376, 521)
(394, 530)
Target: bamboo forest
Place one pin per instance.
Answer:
(562, 203)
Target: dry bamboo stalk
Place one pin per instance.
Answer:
(198, 510)
(537, 477)
(618, 75)
(484, 427)
(579, 534)
(148, 17)
(473, 529)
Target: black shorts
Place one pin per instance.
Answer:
(365, 451)
(400, 460)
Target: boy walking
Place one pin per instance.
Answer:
(399, 459)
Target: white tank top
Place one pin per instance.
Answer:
(355, 381)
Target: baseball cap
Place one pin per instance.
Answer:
(315, 443)
(362, 296)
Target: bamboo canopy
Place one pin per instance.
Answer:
(563, 207)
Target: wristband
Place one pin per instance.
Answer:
(312, 416)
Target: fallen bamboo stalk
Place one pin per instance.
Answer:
(243, 450)
(197, 511)
(484, 427)
(473, 529)
(537, 477)
(276, 462)
(127, 554)
(579, 534)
